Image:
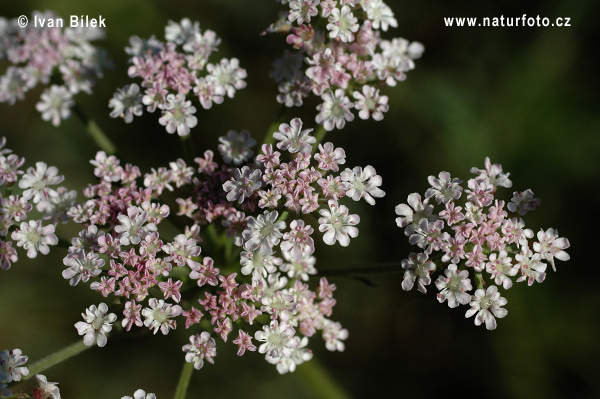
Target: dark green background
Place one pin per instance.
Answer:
(526, 97)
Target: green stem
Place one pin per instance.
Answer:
(187, 148)
(319, 135)
(57, 357)
(479, 281)
(184, 380)
(318, 378)
(95, 132)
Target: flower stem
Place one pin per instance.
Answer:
(57, 357)
(187, 148)
(318, 378)
(184, 380)
(319, 135)
(95, 132)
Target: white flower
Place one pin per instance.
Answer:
(140, 394)
(55, 104)
(97, 323)
(33, 237)
(180, 33)
(293, 139)
(551, 246)
(12, 365)
(263, 232)
(159, 315)
(410, 216)
(342, 24)
(244, 183)
(363, 184)
(259, 263)
(500, 267)
(201, 347)
(57, 205)
(417, 266)
(131, 228)
(36, 181)
(444, 189)
(178, 114)
(486, 304)
(181, 250)
(493, 174)
(335, 110)
(278, 341)
(370, 104)
(236, 147)
(380, 14)
(82, 266)
(228, 74)
(126, 103)
(532, 268)
(454, 287)
(337, 224)
(299, 355)
(334, 334)
(45, 389)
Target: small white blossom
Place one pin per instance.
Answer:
(46, 389)
(201, 347)
(454, 287)
(485, 305)
(236, 147)
(337, 224)
(335, 110)
(245, 182)
(34, 237)
(160, 315)
(278, 341)
(36, 181)
(263, 232)
(12, 365)
(55, 104)
(363, 184)
(97, 323)
(126, 103)
(132, 228)
(551, 246)
(178, 114)
(417, 266)
(293, 139)
(141, 394)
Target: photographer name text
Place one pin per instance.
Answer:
(75, 21)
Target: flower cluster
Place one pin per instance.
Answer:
(259, 292)
(170, 71)
(20, 191)
(341, 58)
(38, 53)
(482, 239)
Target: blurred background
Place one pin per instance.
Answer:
(526, 97)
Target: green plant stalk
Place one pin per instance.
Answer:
(57, 357)
(95, 132)
(320, 381)
(319, 135)
(184, 380)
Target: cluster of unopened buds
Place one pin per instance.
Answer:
(341, 58)
(482, 238)
(37, 53)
